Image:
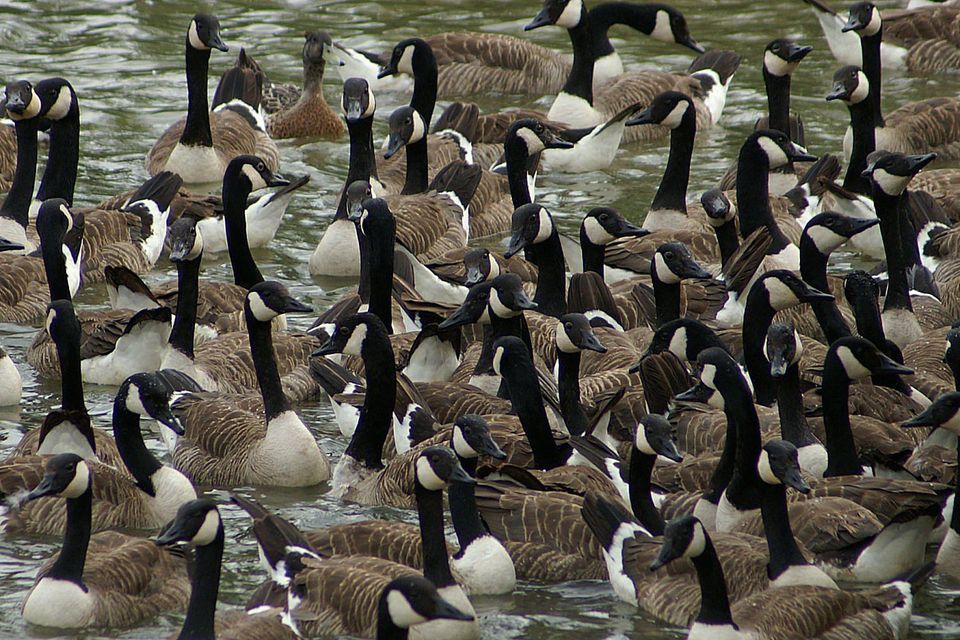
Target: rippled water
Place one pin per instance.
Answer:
(125, 59)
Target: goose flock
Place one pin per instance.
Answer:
(735, 410)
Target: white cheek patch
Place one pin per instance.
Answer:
(208, 530)
(405, 64)
(371, 104)
(775, 155)
(254, 176)
(51, 314)
(678, 344)
(133, 402)
(716, 401)
(675, 117)
(494, 267)
(61, 107)
(461, 446)
(197, 247)
(698, 544)
(564, 343)
(663, 271)
(194, 37)
(419, 128)
(777, 66)
(875, 23)
(891, 184)
(401, 612)
(363, 219)
(953, 424)
(826, 240)
(66, 214)
(32, 109)
(531, 139)
(798, 347)
(80, 483)
(781, 296)
(497, 357)
(595, 232)
(498, 307)
(545, 228)
(662, 30)
(571, 14)
(428, 477)
(854, 368)
(640, 441)
(355, 343)
(708, 374)
(862, 91)
(764, 469)
(260, 310)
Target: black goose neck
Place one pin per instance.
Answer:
(757, 316)
(641, 502)
(60, 175)
(580, 81)
(842, 456)
(16, 205)
(753, 197)
(133, 451)
(188, 294)
(778, 101)
(363, 164)
(605, 15)
(568, 384)
(246, 274)
(591, 254)
(714, 601)
(376, 414)
(672, 192)
(728, 240)
(782, 546)
(73, 556)
(71, 381)
(416, 180)
(721, 475)
(381, 247)
(955, 514)
(527, 401)
(201, 611)
(813, 270)
(436, 562)
(425, 74)
(55, 267)
(196, 129)
(463, 508)
(515, 155)
(793, 421)
(864, 139)
(551, 293)
(873, 69)
(898, 288)
(666, 297)
(265, 363)
(744, 488)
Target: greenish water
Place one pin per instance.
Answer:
(125, 60)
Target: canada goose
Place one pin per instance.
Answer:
(23, 106)
(118, 344)
(11, 383)
(102, 586)
(227, 445)
(199, 524)
(144, 501)
(199, 147)
(813, 610)
(481, 565)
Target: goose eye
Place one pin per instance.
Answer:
(668, 255)
(568, 326)
(603, 216)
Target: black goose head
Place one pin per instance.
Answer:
(54, 221)
(782, 348)
(249, 173)
(438, 465)
(655, 437)
(406, 127)
(376, 221)
(850, 85)
(720, 373)
(535, 136)
(603, 225)
(358, 192)
(943, 412)
(57, 98)
(667, 109)
(268, 299)
(531, 224)
(357, 101)
(507, 297)
(146, 394)
(204, 33)
(785, 289)
(673, 263)
(864, 18)
(316, 43)
(892, 172)
(405, 56)
(717, 207)
(350, 333)
(669, 25)
(684, 338)
(860, 286)
(21, 101)
(197, 523)
(683, 537)
(951, 355)
(412, 600)
(858, 358)
(471, 438)
(574, 334)
(779, 463)
(782, 56)
(66, 475)
(774, 148)
(563, 13)
(186, 243)
(61, 322)
(508, 352)
(830, 230)
(480, 265)
(474, 308)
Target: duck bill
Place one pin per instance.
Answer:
(47, 487)
(690, 43)
(292, 305)
(165, 417)
(793, 478)
(394, 144)
(629, 230)
(838, 92)
(591, 342)
(465, 314)
(542, 19)
(859, 226)
(517, 243)
(460, 475)
(328, 348)
(524, 303)
(644, 117)
(488, 447)
(474, 276)
(446, 611)
(700, 393)
(796, 153)
(890, 366)
(6, 245)
(552, 140)
(796, 53)
(275, 180)
(916, 163)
